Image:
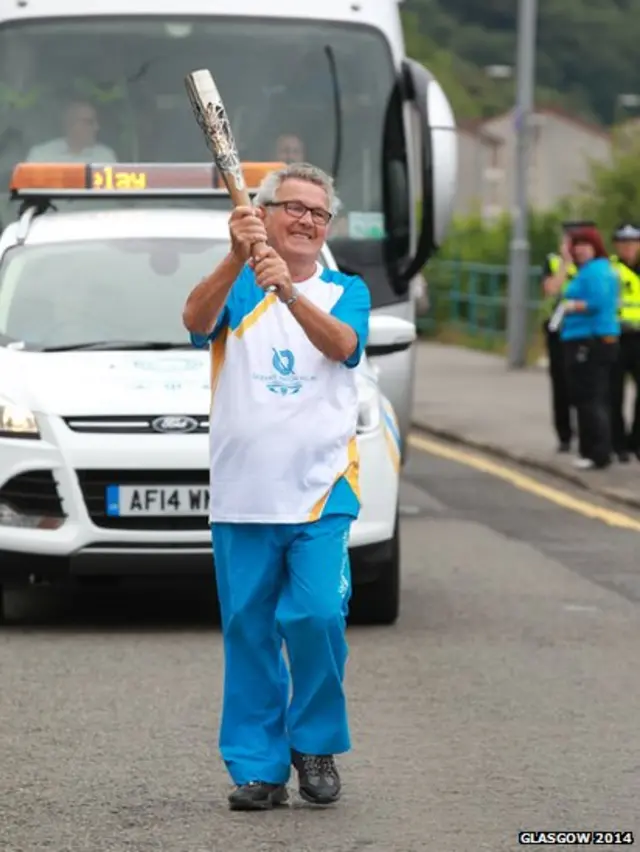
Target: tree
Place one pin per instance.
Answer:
(613, 194)
(586, 50)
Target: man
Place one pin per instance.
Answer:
(289, 148)
(284, 485)
(558, 271)
(626, 262)
(79, 144)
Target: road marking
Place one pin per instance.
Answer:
(525, 483)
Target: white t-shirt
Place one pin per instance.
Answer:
(283, 416)
(57, 151)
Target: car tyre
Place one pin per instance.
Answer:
(379, 602)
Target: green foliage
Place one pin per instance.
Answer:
(611, 197)
(586, 52)
(472, 240)
(613, 194)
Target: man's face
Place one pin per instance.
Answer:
(289, 149)
(628, 250)
(296, 236)
(82, 125)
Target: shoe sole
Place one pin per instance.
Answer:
(275, 800)
(315, 800)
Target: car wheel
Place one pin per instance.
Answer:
(379, 602)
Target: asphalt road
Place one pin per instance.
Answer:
(505, 699)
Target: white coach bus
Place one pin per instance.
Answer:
(325, 81)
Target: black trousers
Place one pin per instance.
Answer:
(560, 396)
(589, 364)
(627, 364)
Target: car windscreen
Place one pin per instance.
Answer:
(70, 293)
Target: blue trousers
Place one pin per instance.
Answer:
(282, 584)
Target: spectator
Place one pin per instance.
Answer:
(289, 149)
(590, 333)
(558, 271)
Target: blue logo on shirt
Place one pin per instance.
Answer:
(283, 380)
(283, 361)
(286, 382)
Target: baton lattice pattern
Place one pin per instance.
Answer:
(213, 121)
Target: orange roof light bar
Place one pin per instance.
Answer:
(131, 179)
(48, 176)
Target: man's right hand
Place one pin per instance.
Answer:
(246, 228)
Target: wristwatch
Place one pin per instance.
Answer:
(293, 298)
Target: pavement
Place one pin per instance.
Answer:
(473, 398)
(503, 700)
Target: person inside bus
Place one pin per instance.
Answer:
(80, 141)
(289, 149)
(590, 333)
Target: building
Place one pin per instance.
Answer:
(562, 149)
(481, 172)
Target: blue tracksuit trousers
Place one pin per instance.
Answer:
(280, 583)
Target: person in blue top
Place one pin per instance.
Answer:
(590, 333)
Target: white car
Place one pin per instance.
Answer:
(104, 406)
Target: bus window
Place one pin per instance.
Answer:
(274, 75)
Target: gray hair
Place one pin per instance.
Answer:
(272, 182)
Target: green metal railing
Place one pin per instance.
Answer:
(472, 299)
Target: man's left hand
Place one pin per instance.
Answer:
(271, 271)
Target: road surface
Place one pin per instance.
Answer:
(505, 699)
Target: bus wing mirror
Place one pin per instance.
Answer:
(389, 334)
(436, 161)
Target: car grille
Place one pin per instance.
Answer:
(127, 425)
(93, 484)
(33, 493)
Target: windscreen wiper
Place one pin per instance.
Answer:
(115, 345)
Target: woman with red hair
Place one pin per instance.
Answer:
(590, 331)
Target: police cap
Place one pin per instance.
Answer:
(626, 233)
(578, 223)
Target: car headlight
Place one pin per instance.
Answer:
(16, 421)
(368, 413)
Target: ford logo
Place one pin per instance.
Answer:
(170, 423)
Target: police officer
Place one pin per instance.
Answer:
(558, 271)
(626, 261)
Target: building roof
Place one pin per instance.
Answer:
(474, 127)
(555, 112)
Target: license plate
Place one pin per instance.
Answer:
(125, 501)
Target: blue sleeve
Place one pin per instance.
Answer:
(230, 309)
(201, 341)
(354, 309)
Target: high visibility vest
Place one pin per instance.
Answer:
(550, 303)
(629, 312)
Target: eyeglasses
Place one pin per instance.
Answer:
(296, 209)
